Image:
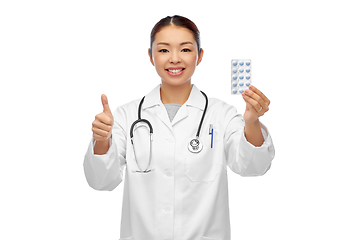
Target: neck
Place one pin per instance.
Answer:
(178, 94)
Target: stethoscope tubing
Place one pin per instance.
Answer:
(151, 132)
(136, 122)
(203, 115)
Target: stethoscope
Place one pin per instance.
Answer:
(194, 146)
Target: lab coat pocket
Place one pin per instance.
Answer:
(205, 165)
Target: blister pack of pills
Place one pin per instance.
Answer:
(240, 75)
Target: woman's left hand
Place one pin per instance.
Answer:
(257, 104)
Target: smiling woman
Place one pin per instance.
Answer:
(182, 193)
(175, 52)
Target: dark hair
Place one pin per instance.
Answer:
(179, 21)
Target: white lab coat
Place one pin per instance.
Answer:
(186, 196)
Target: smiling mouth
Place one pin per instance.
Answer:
(175, 70)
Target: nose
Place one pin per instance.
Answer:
(174, 57)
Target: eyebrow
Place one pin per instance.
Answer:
(183, 43)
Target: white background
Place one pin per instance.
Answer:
(58, 57)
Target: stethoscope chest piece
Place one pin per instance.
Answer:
(195, 146)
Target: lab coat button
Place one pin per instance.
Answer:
(168, 174)
(167, 208)
(170, 140)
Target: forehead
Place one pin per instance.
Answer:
(174, 35)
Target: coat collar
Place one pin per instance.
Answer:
(196, 98)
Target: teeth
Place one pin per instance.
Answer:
(175, 70)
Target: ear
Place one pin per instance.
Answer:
(151, 60)
(200, 56)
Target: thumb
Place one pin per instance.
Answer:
(105, 104)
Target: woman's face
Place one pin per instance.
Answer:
(175, 55)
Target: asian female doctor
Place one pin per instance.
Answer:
(176, 145)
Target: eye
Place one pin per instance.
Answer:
(163, 50)
(186, 50)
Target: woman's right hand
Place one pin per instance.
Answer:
(103, 123)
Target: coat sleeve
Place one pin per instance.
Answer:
(105, 172)
(242, 157)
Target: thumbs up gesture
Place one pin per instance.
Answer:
(103, 122)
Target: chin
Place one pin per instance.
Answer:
(175, 82)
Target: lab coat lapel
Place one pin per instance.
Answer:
(152, 99)
(161, 113)
(196, 99)
(180, 115)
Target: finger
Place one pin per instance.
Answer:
(258, 92)
(104, 118)
(254, 104)
(100, 132)
(252, 109)
(102, 126)
(105, 104)
(256, 97)
(98, 137)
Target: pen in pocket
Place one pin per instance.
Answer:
(211, 132)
